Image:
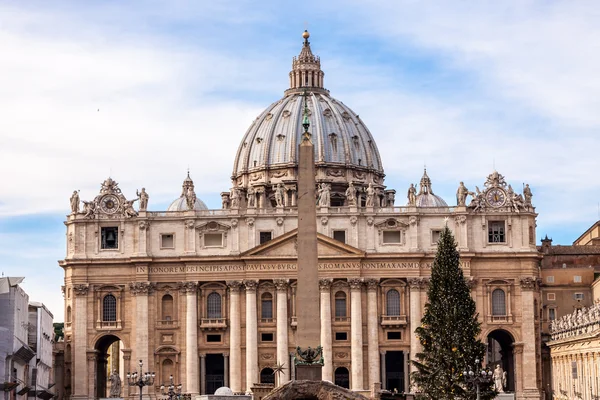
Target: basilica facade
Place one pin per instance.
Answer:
(209, 296)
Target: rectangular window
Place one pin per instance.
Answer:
(577, 279)
(341, 336)
(551, 296)
(550, 279)
(109, 236)
(552, 314)
(266, 337)
(167, 241)
(265, 237)
(496, 232)
(394, 335)
(213, 239)
(340, 236)
(391, 237)
(578, 296)
(213, 338)
(435, 236)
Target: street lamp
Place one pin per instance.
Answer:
(478, 377)
(173, 392)
(141, 380)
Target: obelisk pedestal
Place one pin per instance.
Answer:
(309, 359)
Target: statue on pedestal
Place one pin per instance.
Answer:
(527, 194)
(499, 379)
(251, 196)
(279, 195)
(412, 195)
(370, 195)
(75, 202)
(351, 195)
(190, 198)
(324, 195)
(461, 194)
(143, 196)
(115, 384)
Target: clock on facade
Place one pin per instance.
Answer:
(496, 197)
(109, 204)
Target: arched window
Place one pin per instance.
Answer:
(167, 371)
(340, 304)
(109, 308)
(69, 314)
(342, 377)
(213, 305)
(498, 302)
(267, 376)
(392, 302)
(266, 309)
(167, 307)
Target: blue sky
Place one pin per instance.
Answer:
(144, 90)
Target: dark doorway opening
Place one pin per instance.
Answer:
(500, 351)
(342, 377)
(394, 371)
(107, 360)
(215, 372)
(267, 375)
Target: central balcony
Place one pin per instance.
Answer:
(213, 323)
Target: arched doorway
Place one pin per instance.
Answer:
(342, 377)
(267, 375)
(500, 351)
(108, 358)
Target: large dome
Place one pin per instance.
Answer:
(426, 197)
(344, 148)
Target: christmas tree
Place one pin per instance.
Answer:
(449, 331)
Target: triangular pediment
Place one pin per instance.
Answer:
(286, 246)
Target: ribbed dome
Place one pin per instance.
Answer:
(187, 189)
(344, 147)
(425, 197)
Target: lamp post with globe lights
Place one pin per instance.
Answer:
(478, 377)
(140, 380)
(173, 391)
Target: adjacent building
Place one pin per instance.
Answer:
(209, 296)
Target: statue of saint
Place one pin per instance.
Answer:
(351, 195)
(370, 195)
(279, 195)
(190, 198)
(412, 195)
(88, 208)
(75, 202)
(225, 200)
(499, 379)
(251, 196)
(391, 199)
(527, 194)
(143, 197)
(461, 194)
(235, 198)
(115, 384)
(324, 194)
(128, 210)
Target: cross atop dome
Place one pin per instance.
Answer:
(306, 70)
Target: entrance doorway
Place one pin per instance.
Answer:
(108, 358)
(215, 372)
(394, 371)
(500, 352)
(342, 377)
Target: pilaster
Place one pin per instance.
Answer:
(251, 335)
(326, 339)
(235, 337)
(190, 290)
(80, 362)
(373, 331)
(282, 329)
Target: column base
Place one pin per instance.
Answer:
(309, 372)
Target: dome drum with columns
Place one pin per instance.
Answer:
(210, 296)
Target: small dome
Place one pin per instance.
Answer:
(223, 391)
(180, 204)
(426, 198)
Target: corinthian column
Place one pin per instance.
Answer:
(282, 329)
(251, 335)
(529, 286)
(141, 290)
(190, 289)
(235, 337)
(415, 285)
(325, 289)
(356, 339)
(373, 332)
(80, 367)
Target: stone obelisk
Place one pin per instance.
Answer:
(309, 358)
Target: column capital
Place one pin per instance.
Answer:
(225, 354)
(202, 354)
(355, 283)
(325, 284)
(471, 282)
(187, 287)
(81, 290)
(372, 284)
(250, 285)
(234, 286)
(529, 283)
(418, 283)
(281, 284)
(142, 288)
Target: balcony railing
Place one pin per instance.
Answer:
(342, 319)
(393, 320)
(213, 323)
(109, 325)
(267, 320)
(167, 323)
(499, 319)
